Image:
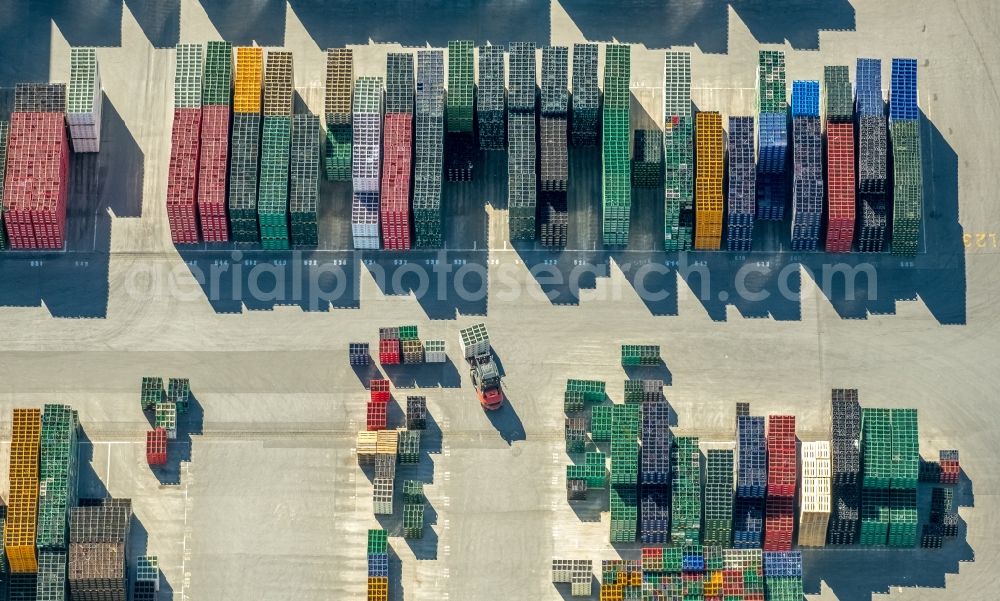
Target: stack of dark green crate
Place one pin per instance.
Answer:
(244, 149)
(593, 472)
(460, 141)
(586, 97)
(839, 94)
(905, 472)
(56, 495)
(413, 509)
(151, 392)
(304, 185)
(179, 393)
(876, 457)
(337, 106)
(907, 184)
(634, 355)
(616, 185)
(600, 423)
(409, 446)
(428, 160)
(490, 93)
(522, 175)
(625, 421)
(685, 507)
(217, 85)
(678, 153)
(4, 130)
(579, 392)
(647, 159)
(719, 498)
(272, 208)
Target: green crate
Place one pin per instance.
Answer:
(409, 446)
(413, 492)
(903, 518)
(378, 542)
(179, 391)
(460, 86)
(905, 449)
(580, 391)
(875, 516)
(686, 490)
(624, 514)
(719, 498)
(640, 355)
(57, 475)
(413, 520)
(839, 95)
(217, 84)
(338, 148)
(408, 333)
(151, 392)
(784, 588)
(876, 447)
(600, 423)
(771, 90)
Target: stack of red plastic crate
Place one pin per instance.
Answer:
(396, 169)
(781, 477)
(840, 186)
(378, 404)
(37, 175)
(389, 347)
(182, 176)
(949, 466)
(156, 446)
(212, 171)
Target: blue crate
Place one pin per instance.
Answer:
(751, 469)
(692, 562)
(746, 540)
(772, 142)
(783, 563)
(654, 526)
(739, 238)
(869, 87)
(805, 98)
(903, 91)
(378, 565)
(771, 196)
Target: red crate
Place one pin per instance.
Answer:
(36, 183)
(840, 180)
(156, 446)
(182, 176)
(377, 416)
(397, 167)
(779, 521)
(753, 596)
(949, 472)
(732, 582)
(389, 351)
(379, 389)
(212, 171)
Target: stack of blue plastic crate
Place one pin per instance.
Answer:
(751, 482)
(872, 152)
(807, 187)
(654, 468)
(741, 200)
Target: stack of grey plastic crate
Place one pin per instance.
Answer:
(553, 213)
(365, 162)
(428, 161)
(83, 110)
(586, 96)
(807, 181)
(98, 550)
(845, 450)
(578, 573)
(872, 155)
(741, 200)
(303, 197)
(522, 184)
(490, 95)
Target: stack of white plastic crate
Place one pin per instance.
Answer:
(83, 109)
(814, 513)
(366, 162)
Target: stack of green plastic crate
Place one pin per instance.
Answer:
(685, 507)
(218, 80)
(4, 130)
(908, 186)
(719, 497)
(903, 482)
(272, 206)
(600, 423)
(378, 542)
(413, 509)
(409, 446)
(579, 392)
(771, 96)
(179, 392)
(57, 476)
(522, 143)
(593, 471)
(304, 185)
(624, 514)
(460, 86)
(616, 185)
(634, 355)
(876, 454)
(678, 153)
(337, 107)
(151, 393)
(839, 94)
(784, 588)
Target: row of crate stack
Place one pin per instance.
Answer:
(53, 543)
(858, 486)
(399, 345)
(378, 565)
